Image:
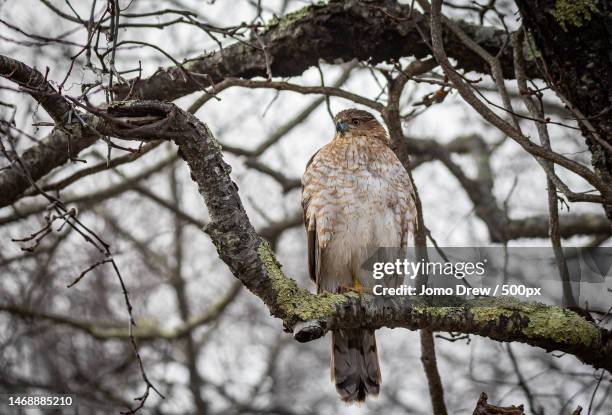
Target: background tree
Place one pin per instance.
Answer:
(111, 290)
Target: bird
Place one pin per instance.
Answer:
(356, 197)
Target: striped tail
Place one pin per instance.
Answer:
(355, 369)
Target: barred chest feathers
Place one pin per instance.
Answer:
(357, 192)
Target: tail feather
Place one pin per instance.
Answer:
(355, 368)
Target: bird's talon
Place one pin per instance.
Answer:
(357, 289)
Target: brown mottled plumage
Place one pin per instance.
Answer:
(356, 197)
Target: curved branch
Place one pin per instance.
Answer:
(251, 261)
(376, 31)
(36, 84)
(301, 89)
(480, 191)
(64, 143)
(440, 53)
(95, 196)
(52, 151)
(373, 31)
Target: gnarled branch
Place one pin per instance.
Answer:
(376, 31)
(253, 263)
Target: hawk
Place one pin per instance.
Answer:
(356, 197)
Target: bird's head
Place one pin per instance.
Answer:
(357, 122)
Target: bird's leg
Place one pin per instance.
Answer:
(343, 289)
(356, 288)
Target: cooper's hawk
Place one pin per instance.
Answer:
(356, 197)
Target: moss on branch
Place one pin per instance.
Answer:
(286, 20)
(574, 12)
(535, 321)
(499, 318)
(254, 264)
(297, 304)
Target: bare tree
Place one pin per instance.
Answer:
(113, 186)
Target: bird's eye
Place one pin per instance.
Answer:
(355, 122)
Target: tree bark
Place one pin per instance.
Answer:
(485, 408)
(574, 40)
(251, 261)
(373, 31)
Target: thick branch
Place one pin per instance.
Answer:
(502, 319)
(54, 150)
(253, 263)
(574, 45)
(374, 31)
(35, 84)
(65, 142)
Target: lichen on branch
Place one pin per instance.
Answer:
(297, 303)
(574, 12)
(252, 261)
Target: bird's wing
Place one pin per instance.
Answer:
(407, 198)
(314, 253)
(314, 250)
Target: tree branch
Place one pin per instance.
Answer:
(37, 85)
(143, 330)
(251, 261)
(485, 408)
(374, 31)
(94, 196)
(539, 152)
(480, 191)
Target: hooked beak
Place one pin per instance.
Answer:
(341, 127)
